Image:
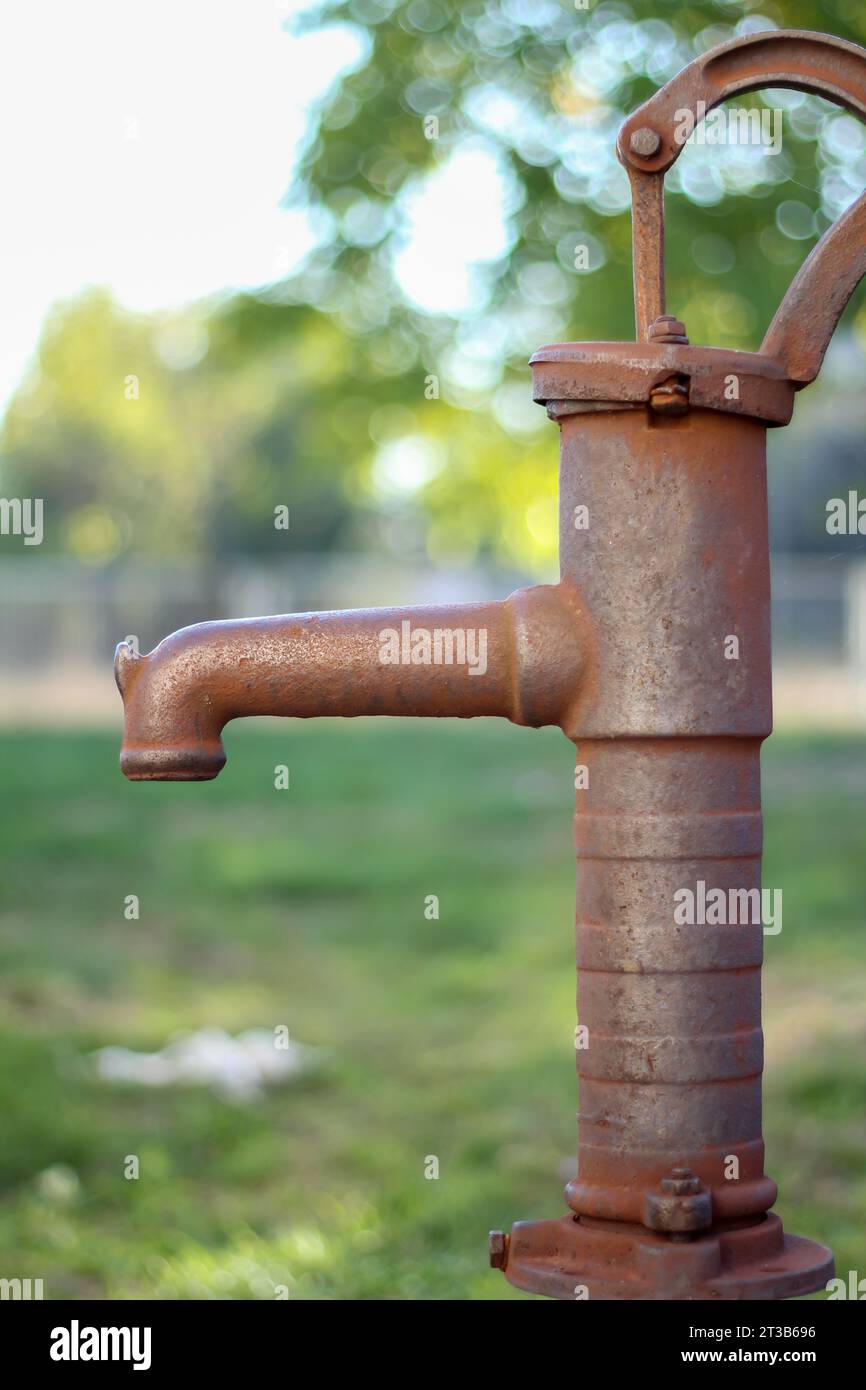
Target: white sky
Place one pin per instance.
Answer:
(148, 144)
(147, 147)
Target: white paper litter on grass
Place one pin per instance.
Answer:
(238, 1068)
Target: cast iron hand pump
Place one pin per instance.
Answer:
(663, 444)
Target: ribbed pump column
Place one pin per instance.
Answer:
(668, 736)
(670, 1048)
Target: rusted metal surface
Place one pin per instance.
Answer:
(664, 561)
(567, 1259)
(629, 374)
(816, 63)
(520, 659)
(674, 561)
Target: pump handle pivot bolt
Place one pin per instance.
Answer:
(644, 142)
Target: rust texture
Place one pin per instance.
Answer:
(664, 562)
(519, 659)
(816, 63)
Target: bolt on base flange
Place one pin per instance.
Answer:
(499, 1243)
(573, 1259)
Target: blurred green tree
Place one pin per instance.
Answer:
(181, 434)
(543, 86)
(152, 434)
(378, 422)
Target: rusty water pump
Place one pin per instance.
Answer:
(652, 654)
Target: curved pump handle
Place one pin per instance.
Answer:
(652, 139)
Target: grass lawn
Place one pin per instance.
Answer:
(451, 1038)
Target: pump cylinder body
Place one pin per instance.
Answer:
(671, 558)
(664, 536)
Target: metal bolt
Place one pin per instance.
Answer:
(644, 142)
(498, 1249)
(670, 397)
(681, 1182)
(667, 329)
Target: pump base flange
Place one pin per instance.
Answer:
(576, 1258)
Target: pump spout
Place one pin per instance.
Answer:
(519, 659)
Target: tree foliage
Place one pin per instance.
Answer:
(379, 423)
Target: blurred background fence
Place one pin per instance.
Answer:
(60, 620)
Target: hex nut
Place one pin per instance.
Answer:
(667, 329)
(498, 1249)
(682, 1204)
(670, 397)
(681, 1183)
